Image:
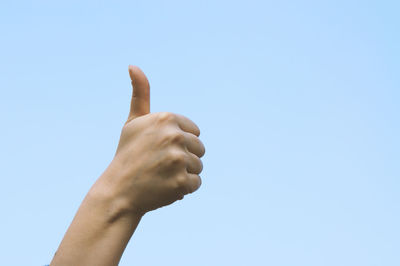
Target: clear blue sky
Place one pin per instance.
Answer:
(297, 101)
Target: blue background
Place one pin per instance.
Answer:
(297, 102)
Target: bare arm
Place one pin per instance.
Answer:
(157, 162)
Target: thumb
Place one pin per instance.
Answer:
(140, 103)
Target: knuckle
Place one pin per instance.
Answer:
(166, 116)
(177, 158)
(202, 149)
(197, 167)
(197, 131)
(200, 166)
(181, 181)
(176, 137)
(197, 184)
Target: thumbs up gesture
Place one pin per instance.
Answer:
(158, 157)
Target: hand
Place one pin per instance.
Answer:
(158, 157)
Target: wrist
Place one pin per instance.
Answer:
(105, 194)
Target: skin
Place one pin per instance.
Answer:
(157, 162)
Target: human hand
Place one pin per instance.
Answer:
(158, 157)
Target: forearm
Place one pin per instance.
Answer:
(98, 234)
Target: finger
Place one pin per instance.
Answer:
(194, 182)
(194, 145)
(140, 103)
(194, 164)
(187, 125)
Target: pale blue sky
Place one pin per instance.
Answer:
(298, 105)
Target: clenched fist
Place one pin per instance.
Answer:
(158, 157)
